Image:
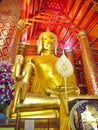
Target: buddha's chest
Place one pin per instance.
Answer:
(45, 74)
(45, 65)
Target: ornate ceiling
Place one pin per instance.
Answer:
(65, 18)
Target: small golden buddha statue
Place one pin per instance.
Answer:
(46, 83)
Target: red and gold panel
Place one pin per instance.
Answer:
(8, 20)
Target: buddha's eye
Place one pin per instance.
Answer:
(45, 38)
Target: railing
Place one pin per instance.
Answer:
(35, 123)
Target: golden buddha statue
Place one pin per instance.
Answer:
(39, 72)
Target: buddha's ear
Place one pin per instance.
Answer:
(56, 46)
(39, 46)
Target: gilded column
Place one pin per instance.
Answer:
(88, 63)
(13, 50)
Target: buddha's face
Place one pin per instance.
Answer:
(48, 42)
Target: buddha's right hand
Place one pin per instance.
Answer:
(52, 93)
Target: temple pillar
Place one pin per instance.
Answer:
(88, 63)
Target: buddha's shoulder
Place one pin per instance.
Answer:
(38, 57)
(29, 58)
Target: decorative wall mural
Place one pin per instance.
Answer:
(8, 20)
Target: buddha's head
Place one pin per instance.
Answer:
(47, 42)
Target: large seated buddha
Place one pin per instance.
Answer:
(39, 73)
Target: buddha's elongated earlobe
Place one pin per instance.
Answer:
(56, 45)
(39, 46)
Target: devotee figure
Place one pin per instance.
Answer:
(39, 72)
